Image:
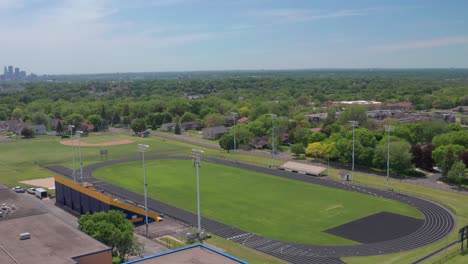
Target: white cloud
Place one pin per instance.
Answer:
(304, 15)
(422, 44)
(82, 36)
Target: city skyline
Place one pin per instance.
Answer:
(85, 37)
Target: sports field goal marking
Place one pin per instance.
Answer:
(334, 210)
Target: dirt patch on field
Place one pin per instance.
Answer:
(48, 183)
(85, 144)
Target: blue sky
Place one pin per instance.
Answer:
(91, 36)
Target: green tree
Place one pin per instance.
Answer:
(457, 172)
(177, 129)
(243, 135)
(96, 120)
(75, 120)
(456, 137)
(113, 229)
(17, 113)
(226, 142)
(298, 149)
(445, 156)
(400, 156)
(59, 128)
(40, 118)
(187, 117)
(316, 137)
(27, 132)
(138, 125)
(116, 119)
(354, 113)
(212, 120)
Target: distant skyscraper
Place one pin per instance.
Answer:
(10, 70)
(17, 72)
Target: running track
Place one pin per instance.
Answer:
(439, 222)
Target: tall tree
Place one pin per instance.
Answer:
(59, 128)
(96, 120)
(138, 125)
(457, 172)
(445, 156)
(354, 113)
(113, 229)
(226, 142)
(400, 156)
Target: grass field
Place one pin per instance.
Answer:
(275, 207)
(17, 162)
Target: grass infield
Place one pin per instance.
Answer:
(275, 207)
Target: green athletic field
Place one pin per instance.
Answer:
(275, 207)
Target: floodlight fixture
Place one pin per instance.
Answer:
(389, 129)
(142, 148)
(353, 124)
(234, 114)
(197, 164)
(79, 133)
(70, 129)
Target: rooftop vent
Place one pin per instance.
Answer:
(24, 236)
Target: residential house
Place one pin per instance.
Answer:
(38, 129)
(85, 127)
(54, 122)
(168, 127)
(13, 126)
(382, 114)
(243, 120)
(317, 118)
(260, 142)
(214, 133)
(191, 125)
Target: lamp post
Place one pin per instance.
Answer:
(234, 114)
(70, 128)
(142, 149)
(79, 133)
(197, 164)
(388, 128)
(353, 124)
(273, 117)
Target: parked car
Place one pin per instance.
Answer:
(31, 190)
(18, 189)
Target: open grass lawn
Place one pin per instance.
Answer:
(17, 163)
(21, 160)
(272, 206)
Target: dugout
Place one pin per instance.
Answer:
(82, 200)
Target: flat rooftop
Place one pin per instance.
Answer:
(199, 254)
(52, 240)
(302, 168)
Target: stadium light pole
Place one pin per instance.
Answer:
(70, 128)
(273, 117)
(388, 128)
(197, 164)
(234, 114)
(80, 133)
(353, 124)
(142, 149)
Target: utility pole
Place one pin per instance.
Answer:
(80, 133)
(234, 114)
(388, 128)
(273, 117)
(197, 164)
(142, 149)
(70, 128)
(353, 124)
